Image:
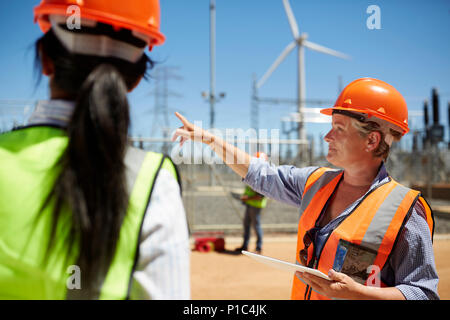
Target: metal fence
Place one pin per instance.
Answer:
(213, 204)
(217, 206)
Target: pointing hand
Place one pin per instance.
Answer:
(189, 131)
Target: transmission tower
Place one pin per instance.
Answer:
(161, 92)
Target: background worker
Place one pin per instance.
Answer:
(370, 234)
(85, 215)
(254, 203)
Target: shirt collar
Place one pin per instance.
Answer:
(381, 177)
(54, 112)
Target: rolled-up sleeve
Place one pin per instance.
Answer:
(413, 260)
(282, 183)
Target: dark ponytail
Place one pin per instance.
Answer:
(92, 179)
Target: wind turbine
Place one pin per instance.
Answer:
(300, 41)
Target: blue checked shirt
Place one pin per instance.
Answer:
(410, 268)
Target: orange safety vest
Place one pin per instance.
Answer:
(373, 227)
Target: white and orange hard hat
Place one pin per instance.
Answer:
(142, 17)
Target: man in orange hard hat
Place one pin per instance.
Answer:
(371, 235)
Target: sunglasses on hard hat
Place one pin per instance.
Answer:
(308, 239)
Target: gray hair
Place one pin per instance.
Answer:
(388, 134)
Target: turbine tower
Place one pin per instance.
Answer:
(300, 42)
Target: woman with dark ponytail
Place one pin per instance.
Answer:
(84, 214)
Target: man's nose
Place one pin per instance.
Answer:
(328, 136)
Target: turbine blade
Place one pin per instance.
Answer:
(277, 62)
(319, 48)
(291, 18)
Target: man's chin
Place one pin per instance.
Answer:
(332, 160)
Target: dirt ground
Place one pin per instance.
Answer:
(227, 276)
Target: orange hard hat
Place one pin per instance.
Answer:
(142, 16)
(375, 98)
(261, 155)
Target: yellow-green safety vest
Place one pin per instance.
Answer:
(28, 169)
(262, 203)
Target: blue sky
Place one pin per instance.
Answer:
(410, 51)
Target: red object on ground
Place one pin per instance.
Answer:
(209, 241)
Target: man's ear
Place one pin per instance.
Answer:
(48, 67)
(373, 140)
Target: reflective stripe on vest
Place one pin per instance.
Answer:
(127, 252)
(315, 182)
(374, 224)
(27, 173)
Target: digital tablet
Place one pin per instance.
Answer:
(283, 265)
